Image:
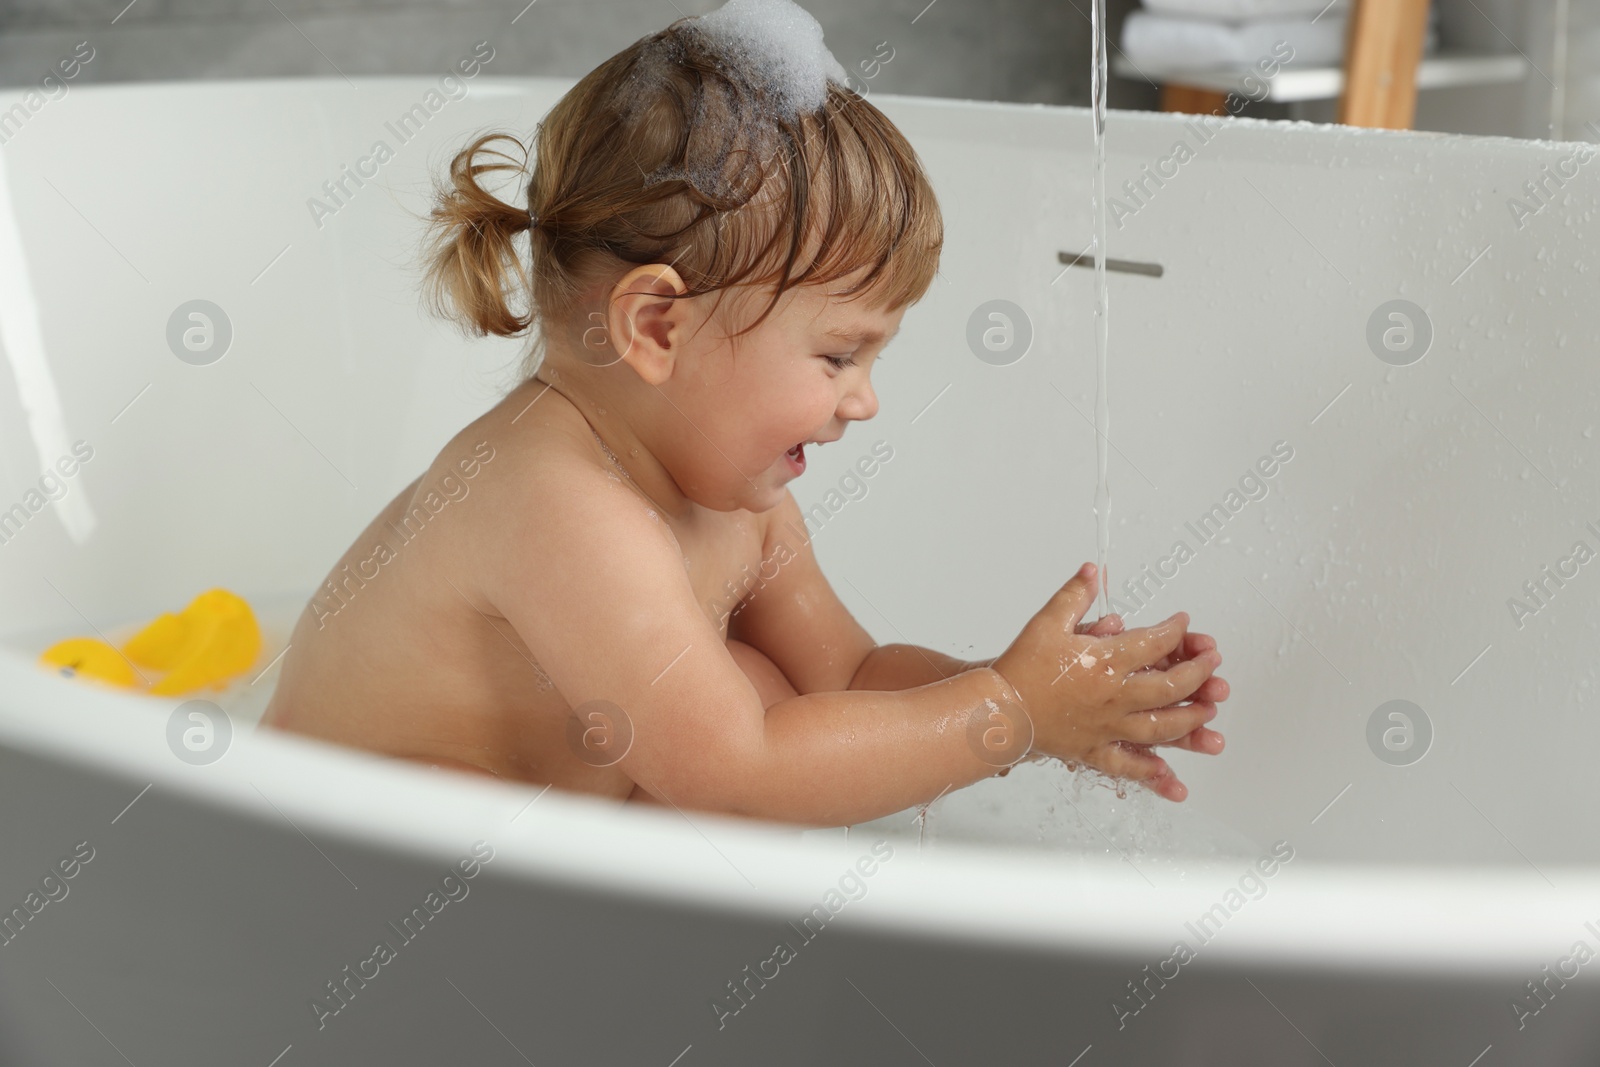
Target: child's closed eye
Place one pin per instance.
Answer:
(841, 362)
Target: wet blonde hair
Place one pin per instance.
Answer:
(667, 154)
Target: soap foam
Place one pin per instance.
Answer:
(779, 45)
(776, 68)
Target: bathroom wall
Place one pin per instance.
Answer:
(1034, 51)
(1029, 51)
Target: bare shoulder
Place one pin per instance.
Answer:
(515, 464)
(550, 480)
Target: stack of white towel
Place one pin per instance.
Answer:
(1229, 34)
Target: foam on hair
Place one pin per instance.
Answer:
(780, 40)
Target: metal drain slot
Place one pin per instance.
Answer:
(1125, 266)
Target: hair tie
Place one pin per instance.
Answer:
(533, 220)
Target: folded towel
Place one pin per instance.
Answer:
(1172, 43)
(1246, 10)
(1241, 10)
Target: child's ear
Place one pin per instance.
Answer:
(646, 320)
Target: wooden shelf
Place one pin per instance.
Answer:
(1441, 71)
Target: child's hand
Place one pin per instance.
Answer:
(1101, 696)
(1212, 690)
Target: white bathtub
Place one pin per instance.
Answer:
(1420, 899)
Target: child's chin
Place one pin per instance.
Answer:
(769, 497)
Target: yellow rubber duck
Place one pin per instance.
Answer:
(209, 643)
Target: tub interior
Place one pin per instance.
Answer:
(1376, 564)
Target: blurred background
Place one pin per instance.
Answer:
(1519, 68)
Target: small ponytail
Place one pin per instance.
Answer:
(472, 250)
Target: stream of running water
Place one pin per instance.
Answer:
(1102, 411)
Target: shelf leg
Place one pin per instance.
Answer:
(1382, 52)
(1192, 101)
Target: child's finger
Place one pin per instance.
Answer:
(1074, 599)
(1159, 726)
(1149, 644)
(1156, 689)
(1194, 643)
(1213, 688)
(1138, 763)
(1201, 739)
(1105, 626)
(1166, 786)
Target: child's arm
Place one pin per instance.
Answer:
(597, 591)
(798, 622)
(906, 667)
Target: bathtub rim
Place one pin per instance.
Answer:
(1431, 921)
(556, 86)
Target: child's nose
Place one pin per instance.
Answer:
(861, 403)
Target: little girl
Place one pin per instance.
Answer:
(714, 259)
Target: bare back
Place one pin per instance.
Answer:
(401, 650)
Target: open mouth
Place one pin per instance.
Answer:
(797, 454)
